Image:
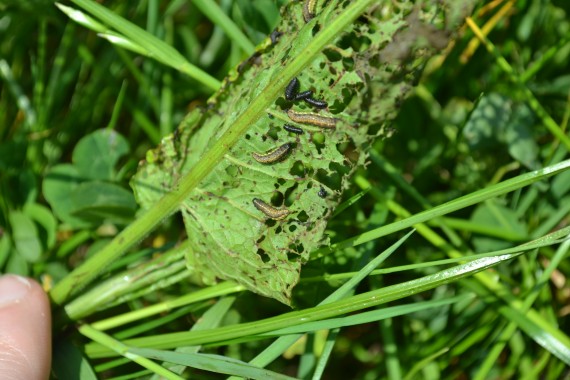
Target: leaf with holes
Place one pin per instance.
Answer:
(296, 176)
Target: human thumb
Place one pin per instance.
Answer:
(25, 329)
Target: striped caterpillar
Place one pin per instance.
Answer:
(270, 211)
(274, 155)
(312, 119)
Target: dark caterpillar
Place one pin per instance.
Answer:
(293, 129)
(315, 102)
(322, 193)
(303, 95)
(292, 89)
(270, 211)
(274, 155)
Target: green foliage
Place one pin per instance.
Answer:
(474, 161)
(233, 240)
(83, 194)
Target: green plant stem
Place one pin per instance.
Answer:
(152, 274)
(199, 295)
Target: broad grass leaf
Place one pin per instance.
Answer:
(364, 74)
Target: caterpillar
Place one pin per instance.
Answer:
(309, 9)
(315, 102)
(312, 119)
(303, 95)
(274, 155)
(293, 129)
(291, 89)
(322, 193)
(270, 211)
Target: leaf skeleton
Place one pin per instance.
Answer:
(270, 211)
(312, 119)
(274, 155)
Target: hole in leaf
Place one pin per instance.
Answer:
(292, 255)
(316, 29)
(348, 64)
(288, 194)
(298, 169)
(277, 199)
(332, 55)
(272, 132)
(349, 150)
(318, 139)
(263, 255)
(303, 217)
(332, 181)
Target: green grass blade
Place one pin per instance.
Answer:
(493, 355)
(208, 362)
(368, 316)
(349, 305)
(155, 47)
(326, 354)
(120, 348)
(211, 10)
(281, 344)
(212, 318)
(457, 204)
(200, 295)
(549, 337)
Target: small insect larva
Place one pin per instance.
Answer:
(316, 103)
(293, 129)
(322, 193)
(274, 155)
(270, 211)
(291, 89)
(303, 95)
(312, 119)
(275, 35)
(309, 9)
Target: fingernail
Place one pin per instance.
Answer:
(12, 289)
